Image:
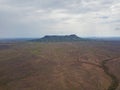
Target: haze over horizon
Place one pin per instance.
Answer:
(36, 18)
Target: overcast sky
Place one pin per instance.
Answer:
(36, 18)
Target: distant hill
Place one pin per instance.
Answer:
(105, 38)
(57, 38)
(14, 40)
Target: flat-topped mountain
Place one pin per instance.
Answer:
(59, 38)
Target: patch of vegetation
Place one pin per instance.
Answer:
(115, 81)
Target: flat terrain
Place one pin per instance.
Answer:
(85, 65)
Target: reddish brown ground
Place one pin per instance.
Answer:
(58, 66)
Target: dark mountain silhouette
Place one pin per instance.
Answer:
(57, 38)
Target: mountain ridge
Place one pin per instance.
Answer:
(59, 38)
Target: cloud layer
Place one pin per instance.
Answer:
(35, 18)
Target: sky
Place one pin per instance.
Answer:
(36, 18)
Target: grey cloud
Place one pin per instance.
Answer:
(104, 17)
(118, 28)
(38, 17)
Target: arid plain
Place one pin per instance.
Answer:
(84, 65)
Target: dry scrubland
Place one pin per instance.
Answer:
(60, 66)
